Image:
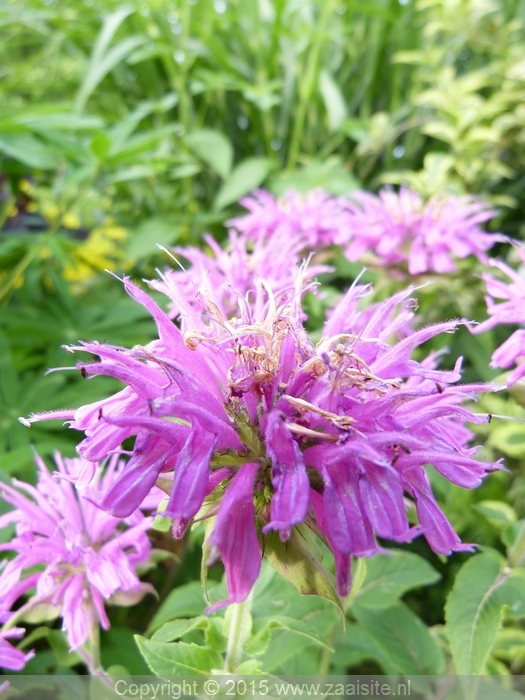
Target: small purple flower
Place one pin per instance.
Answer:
(506, 305)
(400, 229)
(11, 658)
(255, 425)
(74, 555)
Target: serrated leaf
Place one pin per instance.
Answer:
(405, 643)
(475, 607)
(179, 658)
(333, 98)
(183, 601)
(246, 176)
(294, 560)
(389, 576)
(213, 148)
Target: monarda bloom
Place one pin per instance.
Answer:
(70, 555)
(401, 230)
(506, 305)
(244, 420)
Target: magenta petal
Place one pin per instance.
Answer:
(289, 478)
(137, 479)
(236, 538)
(348, 524)
(190, 485)
(438, 532)
(382, 498)
(343, 561)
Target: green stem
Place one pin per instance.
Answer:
(95, 665)
(238, 633)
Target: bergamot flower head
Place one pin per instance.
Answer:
(242, 418)
(70, 555)
(400, 229)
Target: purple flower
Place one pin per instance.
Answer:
(400, 229)
(314, 220)
(12, 658)
(506, 304)
(71, 553)
(254, 424)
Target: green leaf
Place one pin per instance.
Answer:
(213, 148)
(403, 642)
(260, 640)
(246, 176)
(183, 601)
(333, 98)
(144, 239)
(389, 576)
(509, 438)
(179, 658)
(118, 648)
(294, 560)
(250, 667)
(178, 628)
(475, 607)
(29, 150)
(497, 513)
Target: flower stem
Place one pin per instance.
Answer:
(95, 666)
(239, 629)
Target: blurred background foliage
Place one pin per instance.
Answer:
(125, 125)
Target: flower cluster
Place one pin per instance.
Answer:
(397, 230)
(400, 229)
(393, 229)
(70, 555)
(249, 421)
(506, 304)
